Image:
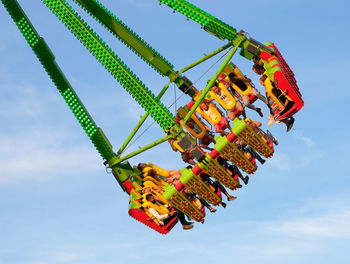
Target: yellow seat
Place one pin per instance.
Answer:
(183, 113)
(159, 171)
(155, 180)
(232, 69)
(176, 145)
(227, 93)
(207, 117)
(156, 206)
(159, 195)
(270, 88)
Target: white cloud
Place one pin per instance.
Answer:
(273, 251)
(280, 161)
(22, 100)
(307, 140)
(330, 225)
(42, 156)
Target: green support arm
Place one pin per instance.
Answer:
(207, 21)
(47, 59)
(112, 63)
(128, 37)
(134, 42)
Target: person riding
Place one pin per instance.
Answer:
(240, 82)
(164, 219)
(230, 112)
(222, 124)
(287, 121)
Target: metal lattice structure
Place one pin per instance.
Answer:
(127, 176)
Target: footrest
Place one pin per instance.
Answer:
(180, 202)
(214, 169)
(196, 185)
(141, 216)
(137, 212)
(230, 152)
(244, 132)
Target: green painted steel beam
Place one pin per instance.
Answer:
(47, 59)
(140, 123)
(128, 37)
(120, 30)
(112, 63)
(206, 57)
(207, 21)
(143, 149)
(236, 44)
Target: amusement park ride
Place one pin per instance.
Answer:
(280, 86)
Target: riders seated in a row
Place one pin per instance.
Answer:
(153, 201)
(279, 103)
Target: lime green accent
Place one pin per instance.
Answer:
(196, 185)
(244, 52)
(230, 152)
(169, 191)
(133, 204)
(143, 149)
(135, 195)
(246, 133)
(112, 63)
(206, 57)
(271, 66)
(206, 20)
(127, 36)
(238, 125)
(136, 179)
(180, 202)
(123, 170)
(214, 169)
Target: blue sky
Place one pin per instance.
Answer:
(57, 203)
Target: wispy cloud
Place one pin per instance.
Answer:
(280, 161)
(330, 225)
(42, 156)
(305, 139)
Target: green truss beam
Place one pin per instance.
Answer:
(47, 59)
(207, 21)
(207, 89)
(133, 41)
(112, 63)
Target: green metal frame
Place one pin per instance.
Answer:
(144, 117)
(47, 59)
(118, 68)
(212, 80)
(111, 62)
(207, 21)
